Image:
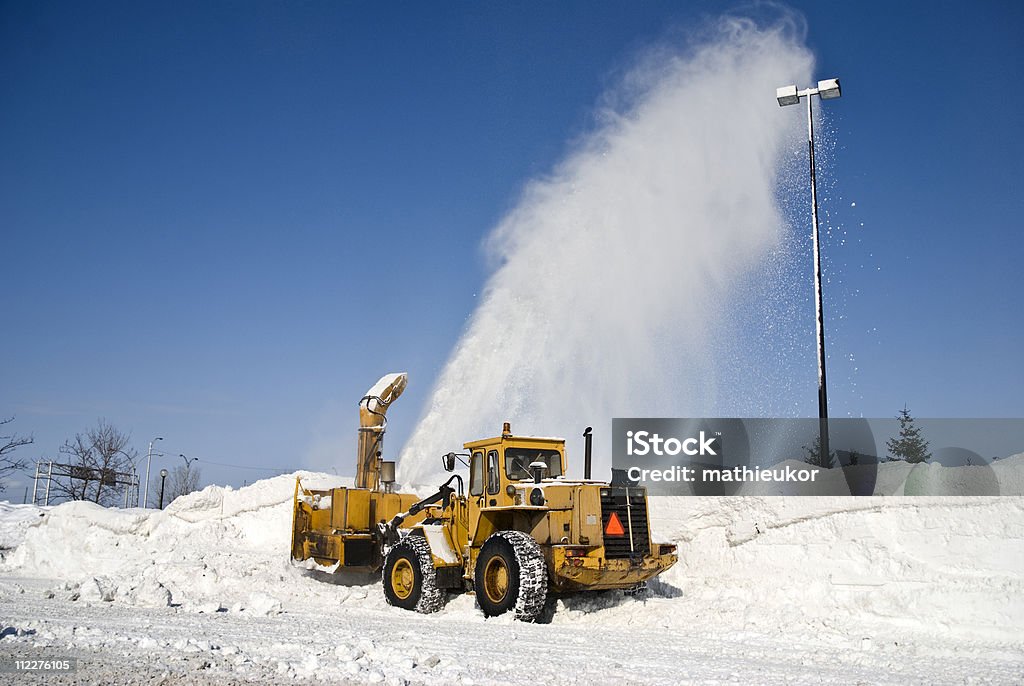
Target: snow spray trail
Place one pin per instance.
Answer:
(616, 269)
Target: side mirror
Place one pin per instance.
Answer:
(449, 462)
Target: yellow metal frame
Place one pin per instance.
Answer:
(322, 534)
(594, 573)
(570, 519)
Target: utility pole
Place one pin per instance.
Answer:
(149, 464)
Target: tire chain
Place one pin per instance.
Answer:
(533, 575)
(431, 597)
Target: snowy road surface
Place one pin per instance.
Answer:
(135, 645)
(767, 591)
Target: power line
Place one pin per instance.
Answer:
(238, 466)
(202, 461)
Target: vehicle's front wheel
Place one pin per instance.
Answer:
(409, 578)
(510, 574)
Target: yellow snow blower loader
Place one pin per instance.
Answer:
(522, 530)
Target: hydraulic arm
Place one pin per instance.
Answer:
(389, 530)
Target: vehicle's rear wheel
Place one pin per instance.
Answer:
(511, 574)
(409, 578)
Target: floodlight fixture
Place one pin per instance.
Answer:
(829, 89)
(787, 95)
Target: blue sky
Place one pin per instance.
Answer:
(223, 221)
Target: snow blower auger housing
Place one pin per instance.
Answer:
(521, 531)
(336, 527)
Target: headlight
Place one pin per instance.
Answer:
(537, 497)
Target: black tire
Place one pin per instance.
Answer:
(409, 578)
(511, 574)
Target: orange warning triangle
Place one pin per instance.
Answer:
(614, 526)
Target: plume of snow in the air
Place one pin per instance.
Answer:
(615, 271)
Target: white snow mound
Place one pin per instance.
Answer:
(212, 549)
(952, 565)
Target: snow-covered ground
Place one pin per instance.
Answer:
(768, 590)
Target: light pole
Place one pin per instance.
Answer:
(187, 482)
(163, 477)
(789, 95)
(149, 463)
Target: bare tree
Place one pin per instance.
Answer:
(183, 480)
(98, 461)
(8, 444)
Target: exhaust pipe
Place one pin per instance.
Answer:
(587, 440)
(387, 475)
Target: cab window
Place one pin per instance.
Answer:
(493, 475)
(476, 474)
(518, 461)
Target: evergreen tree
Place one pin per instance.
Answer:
(813, 456)
(909, 445)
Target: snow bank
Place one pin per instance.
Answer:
(214, 550)
(15, 521)
(932, 564)
(1002, 477)
(941, 564)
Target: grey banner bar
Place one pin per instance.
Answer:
(759, 456)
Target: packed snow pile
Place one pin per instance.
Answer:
(999, 477)
(940, 564)
(946, 564)
(218, 549)
(15, 521)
